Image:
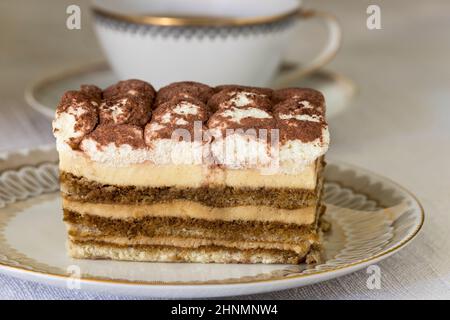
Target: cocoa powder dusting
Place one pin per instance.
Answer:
(298, 113)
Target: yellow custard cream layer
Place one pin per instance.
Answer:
(194, 210)
(150, 175)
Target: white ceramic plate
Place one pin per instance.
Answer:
(43, 95)
(372, 218)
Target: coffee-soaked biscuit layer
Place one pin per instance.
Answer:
(82, 189)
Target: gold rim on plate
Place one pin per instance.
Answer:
(229, 282)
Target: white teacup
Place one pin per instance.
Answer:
(210, 41)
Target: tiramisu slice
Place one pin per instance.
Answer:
(192, 173)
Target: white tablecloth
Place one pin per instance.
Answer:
(398, 126)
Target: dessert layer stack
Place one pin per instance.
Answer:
(192, 173)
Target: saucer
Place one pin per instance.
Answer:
(43, 95)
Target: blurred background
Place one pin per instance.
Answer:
(397, 124)
(399, 69)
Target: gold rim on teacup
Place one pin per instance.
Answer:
(205, 21)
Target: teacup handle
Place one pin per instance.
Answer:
(325, 55)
